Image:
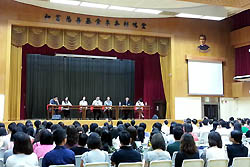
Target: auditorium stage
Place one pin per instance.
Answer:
(148, 122)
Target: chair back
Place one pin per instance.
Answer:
(98, 164)
(203, 137)
(217, 163)
(40, 162)
(241, 162)
(135, 164)
(173, 158)
(1, 163)
(78, 160)
(193, 163)
(161, 163)
(67, 165)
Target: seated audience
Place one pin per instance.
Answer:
(106, 139)
(215, 150)
(23, 152)
(63, 155)
(81, 147)
(189, 129)
(171, 148)
(72, 136)
(188, 150)
(126, 153)
(46, 144)
(165, 128)
(133, 134)
(237, 149)
(95, 155)
(158, 153)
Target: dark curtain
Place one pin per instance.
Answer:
(48, 76)
(148, 81)
(240, 20)
(242, 61)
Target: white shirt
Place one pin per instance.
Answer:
(83, 103)
(66, 104)
(216, 153)
(139, 103)
(97, 103)
(22, 160)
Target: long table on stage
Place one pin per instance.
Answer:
(83, 109)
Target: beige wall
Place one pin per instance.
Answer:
(184, 41)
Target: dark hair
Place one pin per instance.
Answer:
(205, 122)
(178, 132)
(215, 124)
(93, 126)
(118, 123)
(158, 142)
(231, 119)
(55, 127)
(157, 125)
(143, 125)
(237, 126)
(22, 126)
(141, 134)
(72, 135)
(121, 127)
(133, 133)
(194, 121)
(106, 124)
(99, 131)
(37, 123)
(44, 123)
(46, 138)
(188, 120)
(85, 128)
(30, 131)
(3, 131)
(28, 123)
(172, 126)
(204, 36)
(76, 123)
(114, 133)
(61, 124)
(94, 141)
(132, 122)
(166, 122)
(106, 137)
(14, 131)
(82, 139)
(188, 128)
(11, 126)
(127, 125)
(237, 136)
(248, 134)
(200, 124)
(124, 137)
(187, 144)
(22, 144)
(59, 136)
(2, 125)
(223, 124)
(48, 125)
(214, 139)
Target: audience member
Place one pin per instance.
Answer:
(189, 129)
(81, 147)
(72, 136)
(171, 148)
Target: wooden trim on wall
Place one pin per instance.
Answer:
(205, 58)
(240, 37)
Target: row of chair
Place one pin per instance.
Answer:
(237, 162)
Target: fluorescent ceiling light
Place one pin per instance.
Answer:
(149, 11)
(212, 18)
(121, 8)
(66, 2)
(186, 15)
(94, 5)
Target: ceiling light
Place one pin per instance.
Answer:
(149, 11)
(186, 15)
(121, 8)
(66, 2)
(94, 5)
(213, 18)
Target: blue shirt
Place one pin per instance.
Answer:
(59, 156)
(52, 101)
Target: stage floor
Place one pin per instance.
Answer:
(148, 122)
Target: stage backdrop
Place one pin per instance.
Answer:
(48, 76)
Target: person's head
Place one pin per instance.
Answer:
(83, 98)
(154, 131)
(141, 134)
(188, 120)
(48, 125)
(214, 139)
(203, 39)
(205, 122)
(28, 123)
(188, 128)
(236, 137)
(106, 137)
(66, 98)
(3, 131)
(127, 99)
(132, 122)
(187, 144)
(108, 98)
(118, 123)
(140, 99)
(93, 126)
(82, 141)
(114, 133)
(85, 128)
(133, 133)
(158, 142)
(143, 125)
(30, 131)
(157, 125)
(22, 144)
(194, 121)
(55, 98)
(72, 135)
(121, 127)
(11, 126)
(37, 123)
(127, 125)
(178, 132)
(60, 137)
(76, 123)
(124, 137)
(248, 134)
(231, 119)
(46, 138)
(2, 125)
(97, 98)
(166, 122)
(61, 124)
(94, 141)
(237, 126)
(215, 125)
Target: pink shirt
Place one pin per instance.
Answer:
(41, 150)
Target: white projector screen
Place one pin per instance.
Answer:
(205, 78)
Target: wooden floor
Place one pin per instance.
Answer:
(148, 122)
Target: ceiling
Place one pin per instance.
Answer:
(169, 8)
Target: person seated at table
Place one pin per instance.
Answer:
(188, 150)
(83, 102)
(215, 150)
(139, 108)
(158, 153)
(127, 112)
(237, 149)
(97, 111)
(66, 110)
(54, 101)
(108, 110)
